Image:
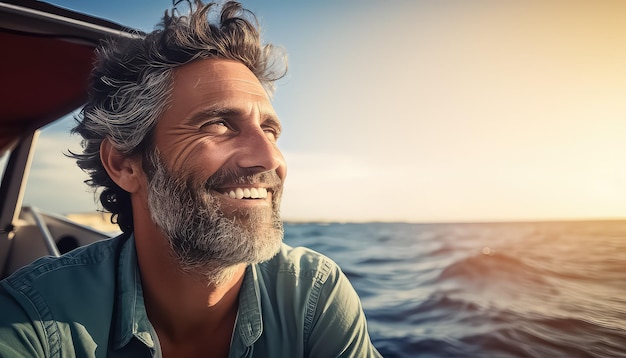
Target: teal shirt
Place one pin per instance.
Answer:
(89, 303)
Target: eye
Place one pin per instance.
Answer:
(216, 127)
(272, 133)
(272, 128)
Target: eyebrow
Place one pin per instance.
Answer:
(226, 112)
(214, 112)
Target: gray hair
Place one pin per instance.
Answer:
(131, 84)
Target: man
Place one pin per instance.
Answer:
(180, 135)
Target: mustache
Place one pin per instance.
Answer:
(234, 176)
(153, 162)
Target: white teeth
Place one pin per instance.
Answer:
(252, 193)
(239, 193)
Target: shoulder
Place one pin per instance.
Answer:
(301, 263)
(308, 288)
(83, 257)
(304, 278)
(298, 276)
(58, 294)
(51, 280)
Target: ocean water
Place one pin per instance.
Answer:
(484, 290)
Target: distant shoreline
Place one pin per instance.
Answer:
(102, 221)
(97, 220)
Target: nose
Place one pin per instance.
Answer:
(257, 151)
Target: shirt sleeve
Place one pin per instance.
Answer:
(18, 335)
(339, 327)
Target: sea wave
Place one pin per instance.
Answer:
(484, 290)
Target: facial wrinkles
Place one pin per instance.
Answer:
(182, 145)
(217, 86)
(185, 137)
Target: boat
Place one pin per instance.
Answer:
(45, 66)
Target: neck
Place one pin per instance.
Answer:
(184, 304)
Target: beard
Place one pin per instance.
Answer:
(203, 240)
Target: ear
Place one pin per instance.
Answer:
(124, 171)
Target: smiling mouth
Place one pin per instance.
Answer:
(247, 193)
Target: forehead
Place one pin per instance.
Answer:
(216, 77)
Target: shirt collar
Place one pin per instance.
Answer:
(131, 317)
(249, 319)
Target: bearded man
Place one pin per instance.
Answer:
(179, 134)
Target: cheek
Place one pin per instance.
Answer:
(179, 148)
(197, 158)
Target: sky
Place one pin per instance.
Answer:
(424, 111)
